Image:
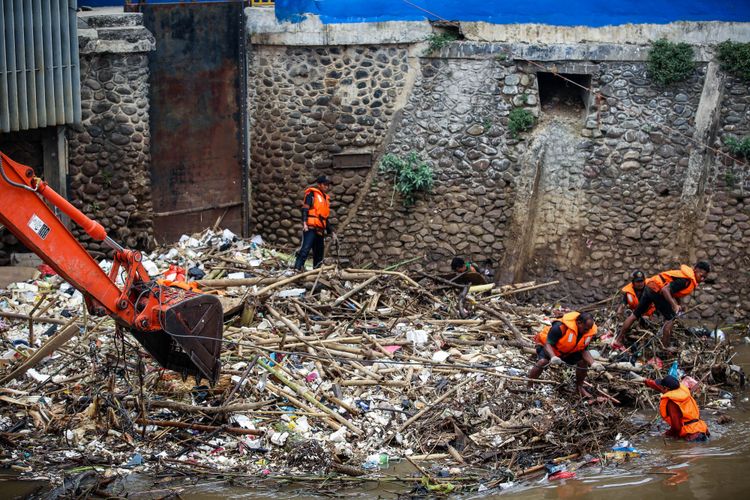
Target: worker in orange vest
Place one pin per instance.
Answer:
(566, 341)
(679, 409)
(316, 208)
(664, 291)
(632, 293)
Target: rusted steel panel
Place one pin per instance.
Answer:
(196, 134)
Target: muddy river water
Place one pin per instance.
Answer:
(667, 469)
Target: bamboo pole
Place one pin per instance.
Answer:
(309, 397)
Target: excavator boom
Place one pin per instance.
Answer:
(182, 329)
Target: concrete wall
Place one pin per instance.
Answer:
(589, 195)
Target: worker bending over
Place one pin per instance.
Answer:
(632, 294)
(567, 340)
(679, 409)
(459, 265)
(664, 291)
(316, 208)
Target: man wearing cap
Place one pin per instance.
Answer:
(316, 208)
(679, 409)
(632, 294)
(664, 291)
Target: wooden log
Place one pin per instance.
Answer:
(67, 333)
(308, 396)
(301, 404)
(37, 319)
(426, 409)
(208, 410)
(537, 468)
(355, 290)
(267, 289)
(199, 427)
(516, 332)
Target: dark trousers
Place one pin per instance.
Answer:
(310, 240)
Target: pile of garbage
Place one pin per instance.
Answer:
(326, 373)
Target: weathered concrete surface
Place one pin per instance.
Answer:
(264, 29)
(697, 33)
(108, 31)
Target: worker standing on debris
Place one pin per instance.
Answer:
(316, 208)
(567, 340)
(664, 292)
(679, 409)
(632, 293)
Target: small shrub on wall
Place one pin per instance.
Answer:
(735, 58)
(520, 120)
(670, 62)
(410, 174)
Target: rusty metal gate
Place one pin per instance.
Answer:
(198, 153)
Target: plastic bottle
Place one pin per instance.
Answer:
(376, 460)
(674, 370)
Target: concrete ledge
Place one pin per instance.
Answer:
(696, 33)
(264, 29)
(112, 32)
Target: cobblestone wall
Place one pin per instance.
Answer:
(584, 198)
(724, 234)
(109, 151)
(308, 104)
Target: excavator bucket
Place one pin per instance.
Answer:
(190, 341)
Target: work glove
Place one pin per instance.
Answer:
(555, 361)
(597, 367)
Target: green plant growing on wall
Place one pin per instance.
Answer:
(735, 58)
(670, 62)
(738, 147)
(437, 41)
(520, 120)
(730, 179)
(486, 124)
(410, 174)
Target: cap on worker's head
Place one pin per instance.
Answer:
(638, 276)
(323, 180)
(669, 382)
(703, 265)
(457, 263)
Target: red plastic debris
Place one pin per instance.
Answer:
(563, 474)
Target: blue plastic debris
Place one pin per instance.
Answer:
(136, 459)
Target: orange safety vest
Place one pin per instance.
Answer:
(569, 342)
(659, 281)
(691, 422)
(632, 299)
(317, 214)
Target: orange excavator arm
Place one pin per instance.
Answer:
(180, 328)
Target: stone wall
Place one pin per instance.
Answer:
(109, 155)
(724, 233)
(109, 161)
(586, 197)
(455, 118)
(307, 105)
